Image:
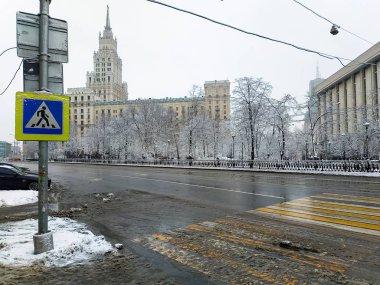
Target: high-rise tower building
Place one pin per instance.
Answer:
(106, 95)
(106, 77)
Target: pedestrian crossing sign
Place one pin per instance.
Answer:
(42, 117)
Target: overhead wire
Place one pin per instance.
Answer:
(322, 54)
(249, 33)
(331, 22)
(9, 84)
(4, 51)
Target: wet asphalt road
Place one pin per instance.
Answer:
(196, 225)
(234, 190)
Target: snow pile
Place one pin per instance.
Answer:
(73, 243)
(17, 197)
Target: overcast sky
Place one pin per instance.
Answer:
(165, 52)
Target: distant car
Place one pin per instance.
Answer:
(12, 178)
(24, 169)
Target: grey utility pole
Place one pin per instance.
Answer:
(43, 241)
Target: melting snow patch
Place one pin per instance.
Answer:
(17, 197)
(73, 243)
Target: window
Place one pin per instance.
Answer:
(81, 98)
(75, 117)
(7, 172)
(108, 69)
(108, 64)
(88, 98)
(81, 116)
(75, 111)
(75, 98)
(81, 111)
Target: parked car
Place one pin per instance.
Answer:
(24, 169)
(12, 178)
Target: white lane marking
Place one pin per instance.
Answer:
(94, 179)
(201, 186)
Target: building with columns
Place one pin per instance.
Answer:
(349, 99)
(106, 95)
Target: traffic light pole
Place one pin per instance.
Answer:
(43, 240)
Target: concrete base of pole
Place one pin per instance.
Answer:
(43, 242)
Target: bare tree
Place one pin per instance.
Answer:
(250, 98)
(282, 112)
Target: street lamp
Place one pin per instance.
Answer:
(344, 145)
(328, 150)
(242, 150)
(334, 29)
(167, 151)
(366, 153)
(306, 150)
(14, 145)
(233, 146)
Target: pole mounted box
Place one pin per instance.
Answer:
(31, 72)
(28, 38)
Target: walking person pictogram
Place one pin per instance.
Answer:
(42, 113)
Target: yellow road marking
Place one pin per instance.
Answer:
(322, 219)
(338, 206)
(246, 226)
(331, 212)
(302, 258)
(221, 257)
(351, 197)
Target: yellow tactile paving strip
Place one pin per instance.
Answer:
(352, 212)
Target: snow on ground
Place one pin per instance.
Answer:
(17, 197)
(73, 243)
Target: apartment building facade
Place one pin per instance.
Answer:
(349, 99)
(106, 95)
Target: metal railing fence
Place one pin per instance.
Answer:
(299, 165)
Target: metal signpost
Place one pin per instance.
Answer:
(42, 42)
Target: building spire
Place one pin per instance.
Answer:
(108, 25)
(318, 74)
